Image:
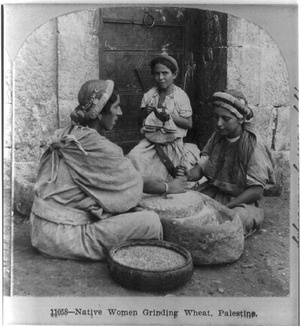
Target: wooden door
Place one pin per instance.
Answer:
(129, 38)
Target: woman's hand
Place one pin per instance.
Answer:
(143, 114)
(177, 185)
(194, 174)
(157, 186)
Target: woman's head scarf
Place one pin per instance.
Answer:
(92, 97)
(234, 101)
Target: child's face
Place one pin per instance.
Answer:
(227, 123)
(163, 76)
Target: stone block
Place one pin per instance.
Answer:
(23, 196)
(243, 72)
(211, 232)
(264, 120)
(78, 60)
(243, 32)
(35, 92)
(282, 169)
(255, 64)
(274, 82)
(233, 68)
(283, 129)
(26, 170)
(24, 176)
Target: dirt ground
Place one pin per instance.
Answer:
(262, 270)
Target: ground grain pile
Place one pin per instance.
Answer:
(149, 258)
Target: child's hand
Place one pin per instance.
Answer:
(149, 109)
(162, 116)
(181, 171)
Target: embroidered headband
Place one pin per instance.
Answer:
(92, 97)
(233, 101)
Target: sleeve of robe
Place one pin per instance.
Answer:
(205, 153)
(260, 167)
(182, 103)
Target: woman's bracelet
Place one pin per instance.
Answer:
(166, 189)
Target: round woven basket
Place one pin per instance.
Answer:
(211, 232)
(134, 264)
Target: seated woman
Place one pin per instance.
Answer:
(167, 115)
(86, 190)
(235, 161)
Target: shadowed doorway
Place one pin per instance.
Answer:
(131, 36)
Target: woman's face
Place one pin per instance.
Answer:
(163, 76)
(227, 123)
(109, 119)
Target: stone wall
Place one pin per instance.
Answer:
(256, 66)
(59, 56)
(34, 96)
(52, 64)
(78, 57)
(50, 67)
